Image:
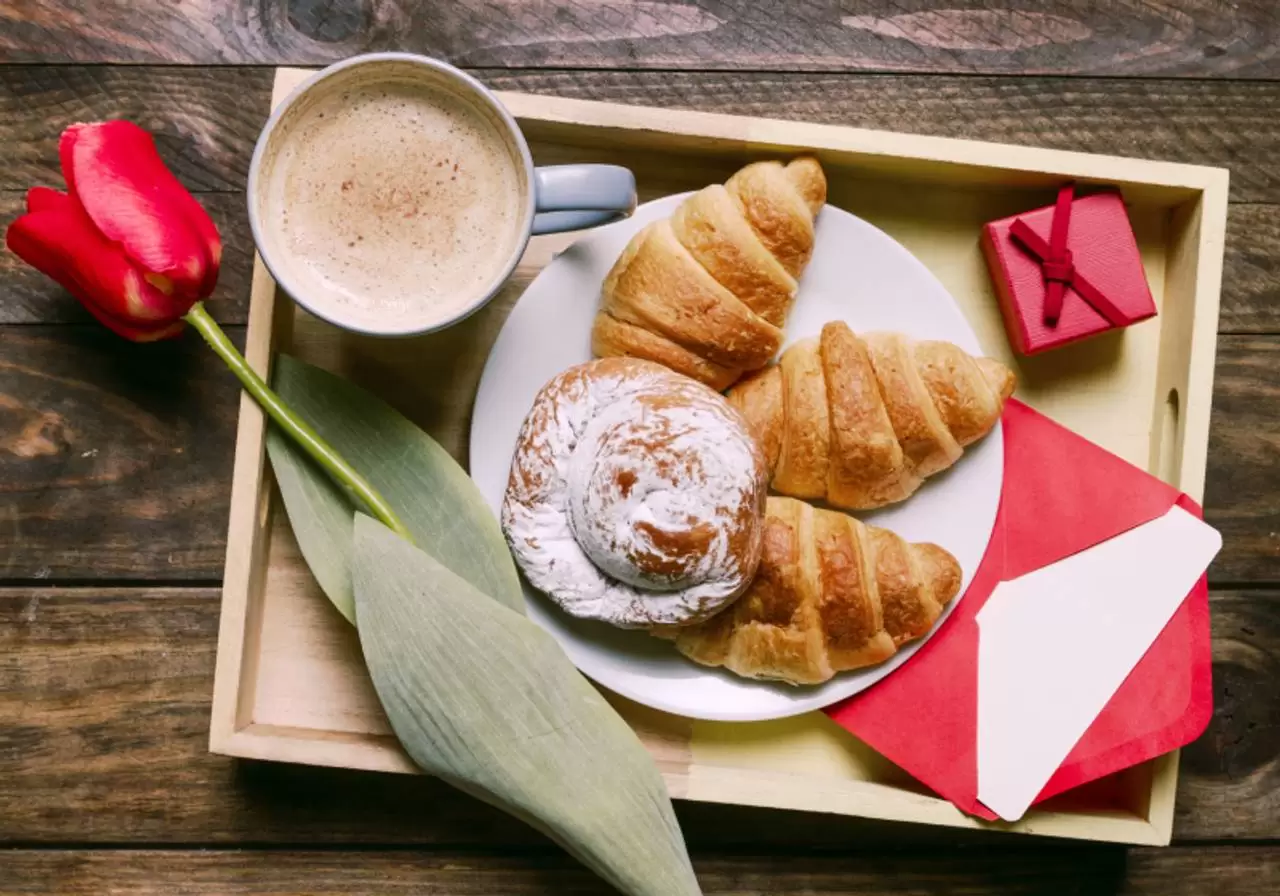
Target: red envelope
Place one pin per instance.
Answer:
(1062, 494)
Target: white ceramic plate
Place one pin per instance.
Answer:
(858, 274)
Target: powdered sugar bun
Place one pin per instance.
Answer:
(636, 496)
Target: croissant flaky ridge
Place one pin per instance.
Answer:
(862, 421)
(706, 291)
(830, 595)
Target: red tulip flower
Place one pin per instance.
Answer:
(126, 239)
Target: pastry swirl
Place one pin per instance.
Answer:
(636, 496)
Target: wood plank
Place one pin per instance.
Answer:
(1047, 871)
(117, 457)
(104, 710)
(1137, 37)
(1251, 270)
(1228, 786)
(207, 119)
(1244, 460)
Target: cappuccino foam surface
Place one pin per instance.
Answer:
(395, 201)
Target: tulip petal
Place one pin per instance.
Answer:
(133, 333)
(41, 199)
(113, 168)
(58, 239)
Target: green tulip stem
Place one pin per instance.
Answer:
(298, 430)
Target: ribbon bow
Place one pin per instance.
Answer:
(1058, 266)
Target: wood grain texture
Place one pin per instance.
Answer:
(1200, 122)
(1200, 38)
(104, 710)
(115, 459)
(1244, 460)
(1075, 871)
(204, 121)
(1230, 777)
(1251, 270)
(207, 119)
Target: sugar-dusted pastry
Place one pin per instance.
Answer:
(830, 595)
(706, 292)
(636, 495)
(861, 421)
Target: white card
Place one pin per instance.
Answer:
(1056, 644)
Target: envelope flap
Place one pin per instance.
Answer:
(1071, 494)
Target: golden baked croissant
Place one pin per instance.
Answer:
(706, 292)
(830, 594)
(862, 421)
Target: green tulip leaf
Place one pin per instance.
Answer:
(431, 493)
(486, 700)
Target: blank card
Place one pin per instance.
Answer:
(1055, 645)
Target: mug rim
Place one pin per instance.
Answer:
(484, 94)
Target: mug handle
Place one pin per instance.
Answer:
(574, 197)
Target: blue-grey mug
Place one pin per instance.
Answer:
(548, 199)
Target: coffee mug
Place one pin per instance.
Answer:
(392, 194)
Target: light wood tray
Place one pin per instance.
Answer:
(291, 685)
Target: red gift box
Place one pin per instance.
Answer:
(1067, 271)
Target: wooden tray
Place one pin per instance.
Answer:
(291, 685)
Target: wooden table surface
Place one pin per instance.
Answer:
(115, 459)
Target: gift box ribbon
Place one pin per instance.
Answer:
(1058, 265)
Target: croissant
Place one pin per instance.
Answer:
(862, 421)
(706, 292)
(830, 594)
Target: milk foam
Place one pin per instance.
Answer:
(395, 201)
